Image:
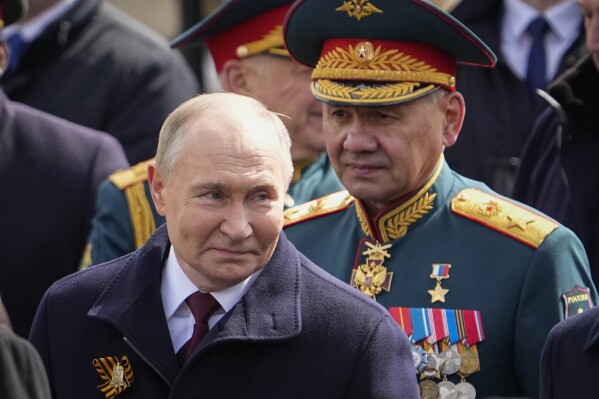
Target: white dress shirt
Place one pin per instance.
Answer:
(176, 287)
(564, 20)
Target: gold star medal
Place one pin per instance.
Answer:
(372, 277)
(440, 272)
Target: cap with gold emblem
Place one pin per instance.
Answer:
(239, 29)
(11, 11)
(380, 52)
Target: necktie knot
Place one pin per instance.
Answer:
(538, 28)
(202, 305)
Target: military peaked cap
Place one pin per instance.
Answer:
(240, 28)
(380, 52)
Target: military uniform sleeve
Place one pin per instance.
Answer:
(112, 233)
(386, 369)
(558, 270)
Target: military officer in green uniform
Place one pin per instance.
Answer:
(475, 279)
(246, 43)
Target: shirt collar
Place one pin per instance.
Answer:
(176, 287)
(564, 18)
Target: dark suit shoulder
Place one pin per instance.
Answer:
(505, 216)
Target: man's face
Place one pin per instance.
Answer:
(590, 11)
(223, 200)
(284, 87)
(383, 153)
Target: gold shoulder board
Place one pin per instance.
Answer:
(504, 216)
(131, 182)
(128, 177)
(318, 207)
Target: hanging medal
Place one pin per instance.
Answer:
(403, 317)
(440, 272)
(471, 333)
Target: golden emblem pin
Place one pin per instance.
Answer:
(372, 277)
(358, 9)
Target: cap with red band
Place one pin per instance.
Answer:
(379, 52)
(239, 29)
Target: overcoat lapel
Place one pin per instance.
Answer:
(132, 304)
(270, 310)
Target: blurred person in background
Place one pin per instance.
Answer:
(559, 174)
(502, 103)
(50, 170)
(89, 63)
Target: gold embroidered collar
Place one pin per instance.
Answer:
(394, 223)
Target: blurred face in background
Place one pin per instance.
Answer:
(283, 86)
(590, 11)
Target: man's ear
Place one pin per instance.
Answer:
(455, 110)
(156, 182)
(234, 77)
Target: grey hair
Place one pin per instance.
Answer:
(171, 141)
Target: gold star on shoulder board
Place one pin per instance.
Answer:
(438, 294)
(518, 222)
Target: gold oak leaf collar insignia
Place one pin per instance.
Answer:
(395, 224)
(116, 374)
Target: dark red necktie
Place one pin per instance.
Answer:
(202, 306)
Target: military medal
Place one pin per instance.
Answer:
(440, 272)
(447, 389)
(432, 366)
(470, 363)
(428, 389)
(372, 277)
(465, 390)
(452, 361)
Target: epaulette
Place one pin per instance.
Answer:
(506, 217)
(133, 175)
(322, 206)
(131, 182)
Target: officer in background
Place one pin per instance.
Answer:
(245, 41)
(475, 279)
(50, 171)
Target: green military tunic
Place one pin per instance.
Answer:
(521, 270)
(317, 179)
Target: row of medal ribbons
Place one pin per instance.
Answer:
(443, 344)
